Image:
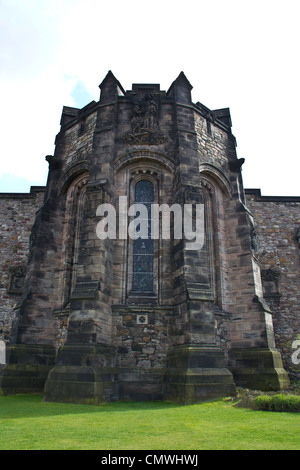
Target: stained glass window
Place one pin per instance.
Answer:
(143, 249)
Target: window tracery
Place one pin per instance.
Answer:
(143, 248)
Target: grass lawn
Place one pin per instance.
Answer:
(28, 423)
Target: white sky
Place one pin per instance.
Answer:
(239, 54)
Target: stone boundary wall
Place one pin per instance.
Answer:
(17, 215)
(277, 222)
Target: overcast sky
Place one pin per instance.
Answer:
(239, 54)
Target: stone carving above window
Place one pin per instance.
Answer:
(253, 239)
(17, 280)
(144, 124)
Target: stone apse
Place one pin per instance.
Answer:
(145, 318)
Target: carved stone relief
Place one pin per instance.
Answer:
(144, 124)
(17, 280)
(270, 281)
(253, 239)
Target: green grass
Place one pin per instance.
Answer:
(28, 423)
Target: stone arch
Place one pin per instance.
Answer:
(75, 194)
(218, 191)
(216, 178)
(149, 158)
(130, 169)
(71, 175)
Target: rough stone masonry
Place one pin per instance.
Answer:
(89, 320)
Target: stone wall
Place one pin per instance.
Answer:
(17, 214)
(277, 222)
(212, 139)
(79, 137)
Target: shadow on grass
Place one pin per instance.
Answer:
(26, 406)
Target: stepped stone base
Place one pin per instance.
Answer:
(258, 369)
(84, 373)
(27, 369)
(197, 374)
(88, 374)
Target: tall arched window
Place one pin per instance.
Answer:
(143, 248)
(75, 197)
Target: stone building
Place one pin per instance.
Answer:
(91, 316)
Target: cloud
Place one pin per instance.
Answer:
(236, 54)
(28, 39)
(34, 85)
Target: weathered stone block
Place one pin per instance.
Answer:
(258, 368)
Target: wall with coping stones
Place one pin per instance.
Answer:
(277, 221)
(211, 145)
(79, 139)
(17, 214)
